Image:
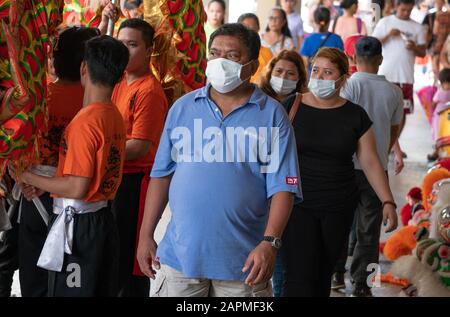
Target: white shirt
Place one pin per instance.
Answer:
(295, 24)
(398, 62)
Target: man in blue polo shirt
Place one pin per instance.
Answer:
(228, 167)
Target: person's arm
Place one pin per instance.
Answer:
(371, 165)
(443, 57)
(262, 259)
(363, 28)
(299, 43)
(155, 203)
(395, 129)
(135, 149)
(418, 50)
(69, 186)
(305, 62)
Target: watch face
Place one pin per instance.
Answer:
(277, 243)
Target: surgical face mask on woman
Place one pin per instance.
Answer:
(282, 86)
(224, 74)
(322, 88)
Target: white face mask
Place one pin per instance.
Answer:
(224, 74)
(282, 86)
(322, 88)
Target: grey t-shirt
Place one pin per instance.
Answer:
(383, 103)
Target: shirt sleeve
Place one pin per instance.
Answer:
(306, 48)
(149, 114)
(365, 122)
(82, 145)
(348, 91)
(380, 29)
(164, 164)
(282, 172)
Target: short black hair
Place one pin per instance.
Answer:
(368, 48)
(346, 4)
(68, 51)
(248, 38)
(106, 59)
(444, 75)
(399, 2)
(248, 16)
(147, 31)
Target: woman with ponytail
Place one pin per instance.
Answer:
(321, 37)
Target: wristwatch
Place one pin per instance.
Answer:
(274, 241)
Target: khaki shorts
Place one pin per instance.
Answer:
(171, 283)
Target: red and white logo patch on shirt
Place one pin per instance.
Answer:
(291, 180)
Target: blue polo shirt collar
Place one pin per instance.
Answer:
(257, 98)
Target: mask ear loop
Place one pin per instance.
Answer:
(242, 66)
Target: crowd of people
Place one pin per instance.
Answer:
(271, 170)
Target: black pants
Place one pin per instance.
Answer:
(32, 235)
(368, 219)
(312, 243)
(125, 208)
(9, 258)
(92, 268)
(349, 247)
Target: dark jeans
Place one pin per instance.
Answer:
(125, 209)
(312, 243)
(32, 235)
(277, 278)
(368, 219)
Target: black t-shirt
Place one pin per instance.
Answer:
(326, 141)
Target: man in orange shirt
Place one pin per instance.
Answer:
(81, 249)
(64, 100)
(141, 100)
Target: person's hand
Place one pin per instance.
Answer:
(398, 163)
(110, 11)
(394, 32)
(410, 45)
(390, 216)
(146, 256)
(262, 263)
(30, 192)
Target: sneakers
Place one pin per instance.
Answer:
(337, 281)
(361, 292)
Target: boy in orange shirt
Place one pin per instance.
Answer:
(64, 100)
(81, 249)
(141, 100)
